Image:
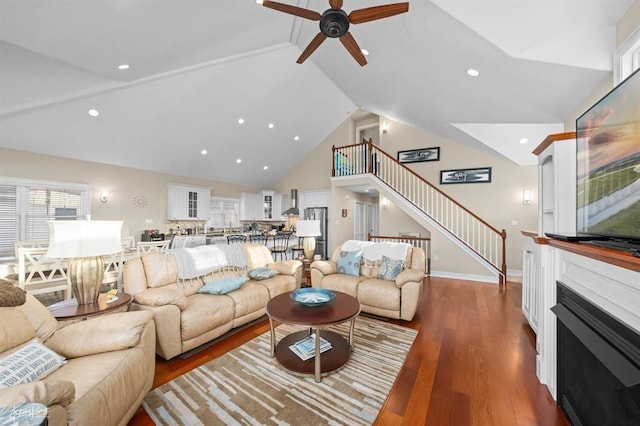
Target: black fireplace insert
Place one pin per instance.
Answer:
(598, 364)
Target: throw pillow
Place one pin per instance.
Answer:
(349, 262)
(390, 268)
(29, 363)
(223, 285)
(260, 274)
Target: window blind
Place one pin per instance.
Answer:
(26, 206)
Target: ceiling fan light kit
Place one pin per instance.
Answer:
(334, 23)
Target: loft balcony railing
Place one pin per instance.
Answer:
(477, 235)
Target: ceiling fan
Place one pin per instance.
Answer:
(334, 23)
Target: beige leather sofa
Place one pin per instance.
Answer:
(396, 299)
(109, 370)
(186, 319)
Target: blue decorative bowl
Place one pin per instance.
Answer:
(312, 296)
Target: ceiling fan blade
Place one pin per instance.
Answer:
(377, 12)
(311, 47)
(335, 4)
(292, 10)
(352, 47)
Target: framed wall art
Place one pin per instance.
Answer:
(477, 175)
(419, 155)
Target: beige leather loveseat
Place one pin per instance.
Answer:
(186, 319)
(381, 289)
(109, 369)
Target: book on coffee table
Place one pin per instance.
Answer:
(305, 348)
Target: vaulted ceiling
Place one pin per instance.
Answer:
(197, 66)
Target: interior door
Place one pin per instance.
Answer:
(372, 219)
(359, 221)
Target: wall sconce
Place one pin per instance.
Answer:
(385, 203)
(526, 196)
(104, 196)
(385, 126)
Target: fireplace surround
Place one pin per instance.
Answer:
(598, 363)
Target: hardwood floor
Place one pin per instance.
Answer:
(473, 362)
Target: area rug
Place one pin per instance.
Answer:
(248, 387)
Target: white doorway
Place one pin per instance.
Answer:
(365, 220)
(359, 221)
(372, 218)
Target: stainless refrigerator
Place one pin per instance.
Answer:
(321, 214)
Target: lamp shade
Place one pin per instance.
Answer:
(308, 228)
(84, 238)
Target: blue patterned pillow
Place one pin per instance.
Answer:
(260, 274)
(390, 268)
(223, 285)
(349, 262)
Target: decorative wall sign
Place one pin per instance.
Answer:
(477, 175)
(140, 201)
(419, 155)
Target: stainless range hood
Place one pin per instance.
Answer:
(293, 210)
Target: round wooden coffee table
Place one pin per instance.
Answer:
(285, 310)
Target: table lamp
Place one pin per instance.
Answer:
(309, 230)
(84, 243)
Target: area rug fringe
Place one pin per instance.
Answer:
(248, 387)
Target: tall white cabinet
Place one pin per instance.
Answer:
(556, 214)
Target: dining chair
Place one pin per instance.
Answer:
(280, 246)
(258, 238)
(149, 246)
(236, 238)
(297, 251)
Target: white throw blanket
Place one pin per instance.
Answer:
(235, 254)
(198, 261)
(374, 250)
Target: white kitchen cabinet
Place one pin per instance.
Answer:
(314, 199)
(264, 205)
(188, 202)
(250, 206)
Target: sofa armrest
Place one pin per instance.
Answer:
(409, 275)
(326, 267)
(286, 267)
(98, 335)
(161, 296)
(47, 392)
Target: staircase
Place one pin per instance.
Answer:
(424, 202)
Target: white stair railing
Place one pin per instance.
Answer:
(484, 240)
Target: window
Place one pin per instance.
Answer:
(27, 205)
(627, 57)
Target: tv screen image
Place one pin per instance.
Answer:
(608, 164)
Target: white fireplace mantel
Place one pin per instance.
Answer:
(607, 278)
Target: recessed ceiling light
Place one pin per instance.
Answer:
(203, 152)
(123, 66)
(270, 125)
(258, 1)
(240, 120)
(239, 160)
(296, 138)
(473, 73)
(265, 168)
(365, 52)
(93, 112)
(523, 141)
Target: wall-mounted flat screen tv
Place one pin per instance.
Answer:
(608, 165)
